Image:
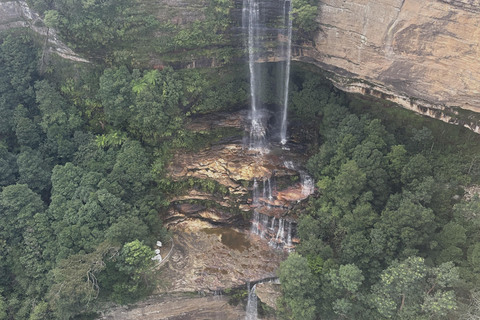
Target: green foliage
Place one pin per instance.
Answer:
(304, 13)
(89, 157)
(3, 308)
(17, 73)
(8, 167)
(112, 139)
(201, 33)
(386, 196)
(98, 25)
(116, 95)
(299, 287)
(135, 272)
(59, 119)
(33, 170)
(76, 285)
(410, 288)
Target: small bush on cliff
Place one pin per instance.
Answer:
(304, 13)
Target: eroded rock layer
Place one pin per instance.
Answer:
(421, 49)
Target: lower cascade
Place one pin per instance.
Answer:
(270, 208)
(308, 185)
(278, 232)
(252, 303)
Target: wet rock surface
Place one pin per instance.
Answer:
(230, 163)
(208, 259)
(265, 190)
(236, 119)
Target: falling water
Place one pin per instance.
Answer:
(255, 27)
(255, 191)
(267, 189)
(251, 21)
(279, 235)
(289, 165)
(308, 186)
(281, 231)
(252, 303)
(269, 194)
(255, 228)
(289, 234)
(287, 53)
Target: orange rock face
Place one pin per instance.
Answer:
(421, 49)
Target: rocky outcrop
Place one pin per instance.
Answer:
(232, 165)
(422, 54)
(17, 14)
(229, 164)
(211, 259)
(269, 293)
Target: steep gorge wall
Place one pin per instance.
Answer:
(422, 54)
(405, 50)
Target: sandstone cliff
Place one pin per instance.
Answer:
(405, 49)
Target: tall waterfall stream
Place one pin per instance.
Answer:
(264, 225)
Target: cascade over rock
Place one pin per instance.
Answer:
(269, 187)
(232, 165)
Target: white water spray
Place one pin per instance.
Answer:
(287, 5)
(289, 234)
(308, 185)
(251, 22)
(252, 303)
(281, 231)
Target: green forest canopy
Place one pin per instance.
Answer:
(83, 190)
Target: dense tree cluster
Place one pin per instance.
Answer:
(82, 189)
(386, 238)
(82, 185)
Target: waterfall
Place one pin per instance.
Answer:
(289, 165)
(267, 190)
(255, 191)
(308, 186)
(255, 28)
(255, 229)
(281, 232)
(269, 193)
(279, 235)
(289, 234)
(252, 303)
(251, 22)
(287, 52)
(264, 194)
